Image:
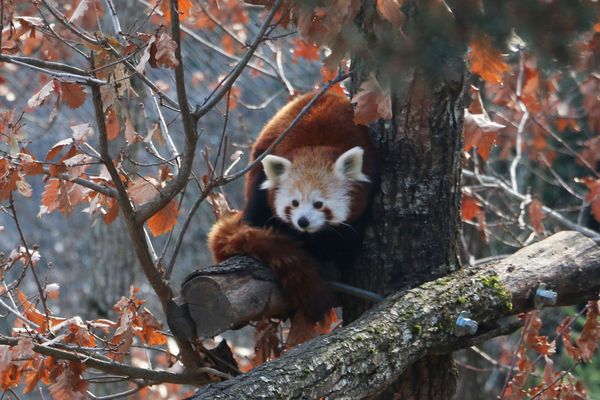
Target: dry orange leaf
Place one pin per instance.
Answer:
(39, 98)
(112, 213)
(593, 196)
(164, 220)
(310, 52)
(143, 189)
(151, 329)
(480, 132)
(372, 102)
(112, 124)
(485, 60)
(72, 94)
(266, 345)
(590, 334)
(162, 52)
(69, 385)
(184, 6)
(470, 207)
(536, 215)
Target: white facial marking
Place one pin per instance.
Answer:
(295, 193)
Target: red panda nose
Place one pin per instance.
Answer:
(303, 222)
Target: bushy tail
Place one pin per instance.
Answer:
(297, 271)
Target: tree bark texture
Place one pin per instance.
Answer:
(414, 236)
(362, 359)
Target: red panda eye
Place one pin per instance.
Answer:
(318, 204)
(295, 203)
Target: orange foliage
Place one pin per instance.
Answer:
(164, 220)
(485, 60)
(372, 102)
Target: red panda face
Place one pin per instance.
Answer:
(312, 191)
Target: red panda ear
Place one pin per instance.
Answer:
(275, 168)
(348, 166)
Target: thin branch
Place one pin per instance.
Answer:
(554, 382)
(237, 39)
(184, 228)
(211, 46)
(70, 26)
(237, 70)
(50, 65)
(561, 219)
(189, 130)
(521, 128)
(105, 154)
(114, 16)
(165, 128)
(197, 377)
(63, 75)
(18, 315)
(105, 190)
(29, 259)
(126, 393)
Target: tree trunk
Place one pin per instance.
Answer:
(415, 232)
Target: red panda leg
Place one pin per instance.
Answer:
(297, 271)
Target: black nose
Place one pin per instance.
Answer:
(303, 222)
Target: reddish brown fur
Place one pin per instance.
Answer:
(318, 139)
(326, 130)
(298, 273)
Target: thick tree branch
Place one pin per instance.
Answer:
(361, 359)
(189, 355)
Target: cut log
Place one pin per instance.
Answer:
(228, 296)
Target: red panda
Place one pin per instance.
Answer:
(308, 201)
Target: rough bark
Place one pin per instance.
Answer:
(362, 359)
(415, 232)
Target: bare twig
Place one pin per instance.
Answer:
(126, 393)
(189, 120)
(561, 219)
(49, 65)
(62, 75)
(193, 35)
(72, 27)
(237, 70)
(38, 282)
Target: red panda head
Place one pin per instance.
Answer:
(313, 189)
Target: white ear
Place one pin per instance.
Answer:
(348, 166)
(275, 168)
